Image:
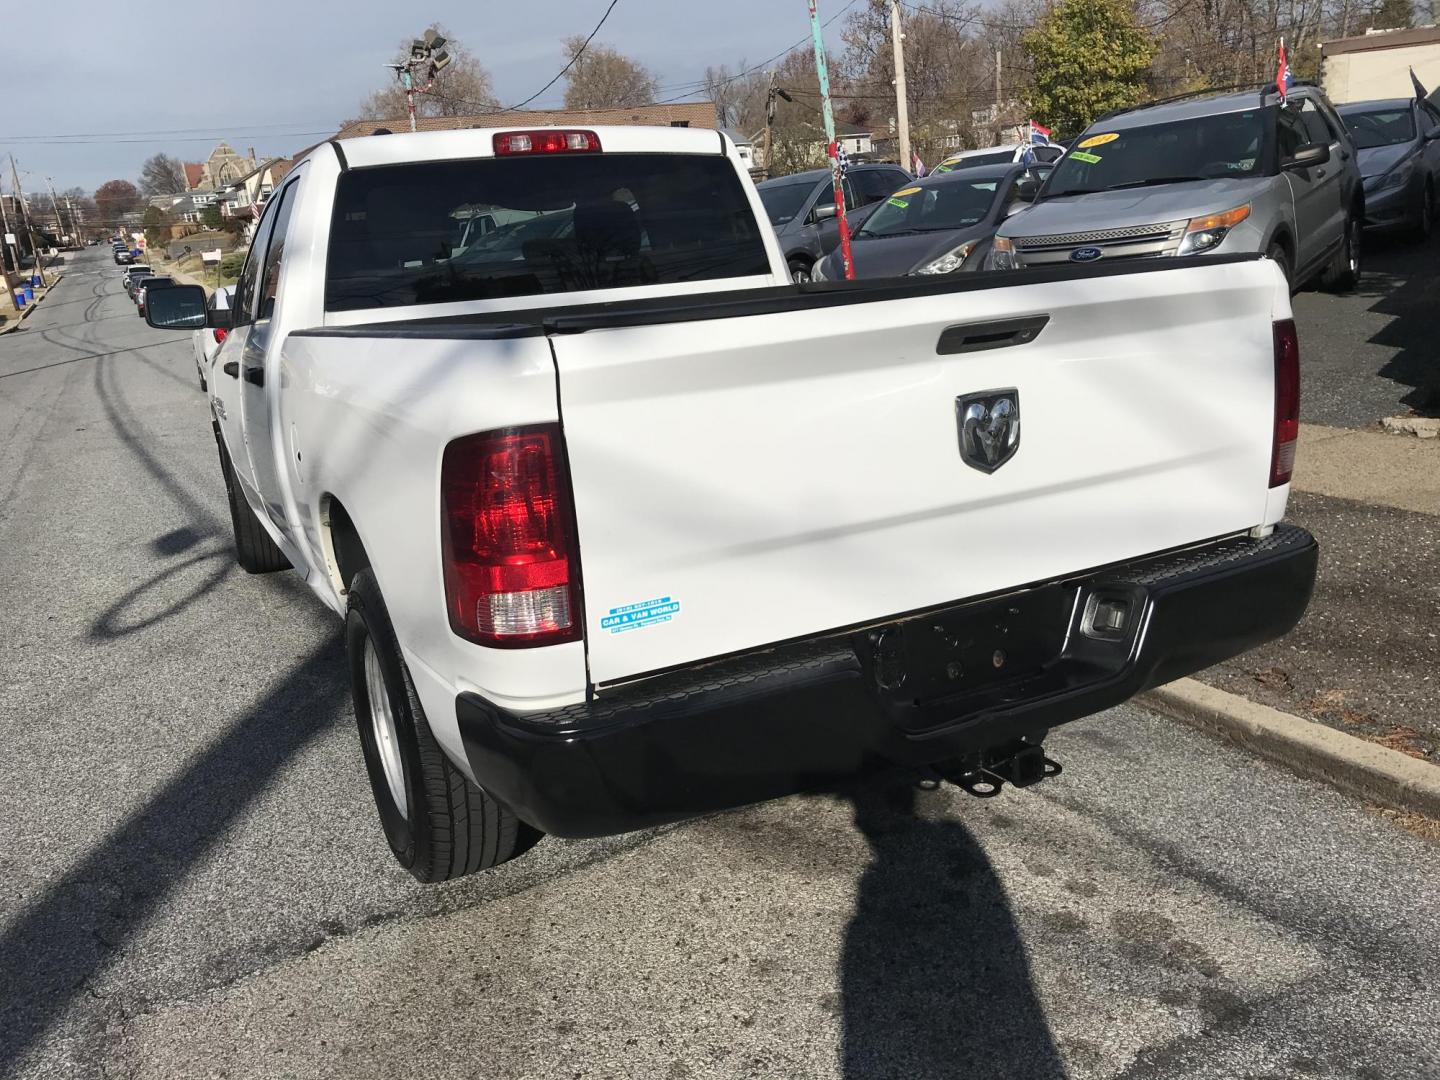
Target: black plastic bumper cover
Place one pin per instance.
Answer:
(804, 715)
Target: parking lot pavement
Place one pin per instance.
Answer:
(193, 884)
(1374, 353)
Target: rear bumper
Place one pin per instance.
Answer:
(920, 689)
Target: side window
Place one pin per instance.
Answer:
(1048, 153)
(1316, 129)
(275, 256)
(244, 304)
(1429, 118)
(827, 197)
(875, 184)
(1290, 132)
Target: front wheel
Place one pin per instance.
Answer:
(254, 550)
(1276, 254)
(799, 271)
(439, 825)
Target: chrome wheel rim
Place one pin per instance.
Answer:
(1354, 249)
(382, 722)
(799, 276)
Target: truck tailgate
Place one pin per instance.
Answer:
(748, 478)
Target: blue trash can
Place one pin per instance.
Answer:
(20, 298)
(35, 281)
(29, 294)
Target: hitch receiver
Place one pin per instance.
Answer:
(984, 773)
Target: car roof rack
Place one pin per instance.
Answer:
(1296, 84)
(1188, 95)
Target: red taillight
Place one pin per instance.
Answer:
(511, 562)
(219, 334)
(1287, 402)
(546, 141)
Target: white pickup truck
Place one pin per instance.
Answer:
(627, 527)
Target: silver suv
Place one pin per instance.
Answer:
(1212, 173)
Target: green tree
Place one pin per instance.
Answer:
(211, 218)
(1394, 15)
(1089, 56)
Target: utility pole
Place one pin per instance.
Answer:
(770, 95)
(21, 208)
(74, 217)
(999, 99)
(59, 218)
(837, 172)
(902, 106)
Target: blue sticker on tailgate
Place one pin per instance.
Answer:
(635, 616)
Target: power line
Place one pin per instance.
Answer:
(578, 53)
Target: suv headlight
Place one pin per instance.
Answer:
(1205, 233)
(1002, 254)
(949, 262)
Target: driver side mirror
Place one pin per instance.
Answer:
(1308, 156)
(1027, 189)
(823, 213)
(177, 307)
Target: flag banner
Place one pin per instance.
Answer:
(917, 167)
(1283, 79)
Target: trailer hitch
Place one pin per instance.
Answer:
(985, 773)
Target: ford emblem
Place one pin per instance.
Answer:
(1085, 254)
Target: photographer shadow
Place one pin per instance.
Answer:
(934, 977)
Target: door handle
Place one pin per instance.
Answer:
(977, 337)
(231, 368)
(255, 376)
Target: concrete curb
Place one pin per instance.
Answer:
(14, 324)
(1374, 773)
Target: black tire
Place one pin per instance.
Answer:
(1276, 253)
(1425, 222)
(203, 387)
(1343, 274)
(254, 550)
(447, 827)
(800, 271)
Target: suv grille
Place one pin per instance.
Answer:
(1130, 242)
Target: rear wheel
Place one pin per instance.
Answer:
(438, 824)
(254, 550)
(1343, 274)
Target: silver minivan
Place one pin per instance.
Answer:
(1212, 173)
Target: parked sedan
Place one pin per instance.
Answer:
(801, 209)
(145, 284)
(1046, 153)
(207, 341)
(1397, 142)
(942, 224)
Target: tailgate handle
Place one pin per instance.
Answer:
(977, 337)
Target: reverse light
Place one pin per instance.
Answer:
(1204, 233)
(546, 141)
(508, 540)
(1002, 254)
(949, 262)
(1287, 402)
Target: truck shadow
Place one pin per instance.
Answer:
(76, 925)
(1406, 276)
(934, 977)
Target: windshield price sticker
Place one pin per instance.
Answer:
(1099, 140)
(1089, 159)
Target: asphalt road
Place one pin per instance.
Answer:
(192, 883)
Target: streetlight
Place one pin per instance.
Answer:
(427, 55)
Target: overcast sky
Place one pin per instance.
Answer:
(279, 76)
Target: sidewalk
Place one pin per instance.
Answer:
(10, 320)
(1366, 657)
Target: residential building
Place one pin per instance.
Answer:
(1377, 64)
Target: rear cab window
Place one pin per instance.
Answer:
(406, 234)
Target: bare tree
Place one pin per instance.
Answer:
(162, 175)
(462, 88)
(601, 78)
(739, 96)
